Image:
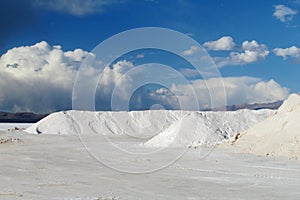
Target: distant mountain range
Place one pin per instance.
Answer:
(254, 106)
(22, 117)
(29, 117)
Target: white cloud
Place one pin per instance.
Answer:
(239, 90)
(40, 77)
(284, 13)
(293, 52)
(112, 75)
(76, 7)
(252, 52)
(190, 51)
(224, 43)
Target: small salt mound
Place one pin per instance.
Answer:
(279, 135)
(57, 123)
(207, 128)
(180, 133)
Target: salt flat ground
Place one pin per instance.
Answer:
(6, 126)
(59, 167)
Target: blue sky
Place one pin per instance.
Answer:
(84, 24)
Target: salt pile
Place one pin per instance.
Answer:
(107, 123)
(158, 127)
(207, 128)
(278, 135)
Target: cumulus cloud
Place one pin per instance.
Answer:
(190, 51)
(284, 13)
(112, 76)
(223, 44)
(292, 52)
(40, 78)
(239, 90)
(251, 52)
(76, 7)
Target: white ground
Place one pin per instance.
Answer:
(6, 126)
(58, 167)
(84, 155)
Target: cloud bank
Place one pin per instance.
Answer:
(239, 90)
(40, 78)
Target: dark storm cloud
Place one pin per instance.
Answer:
(15, 16)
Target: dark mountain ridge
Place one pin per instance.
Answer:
(22, 117)
(253, 106)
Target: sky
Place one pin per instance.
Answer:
(254, 44)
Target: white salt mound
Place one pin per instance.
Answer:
(278, 135)
(158, 127)
(135, 123)
(207, 128)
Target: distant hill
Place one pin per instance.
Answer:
(23, 117)
(254, 106)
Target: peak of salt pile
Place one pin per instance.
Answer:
(160, 127)
(291, 104)
(278, 135)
